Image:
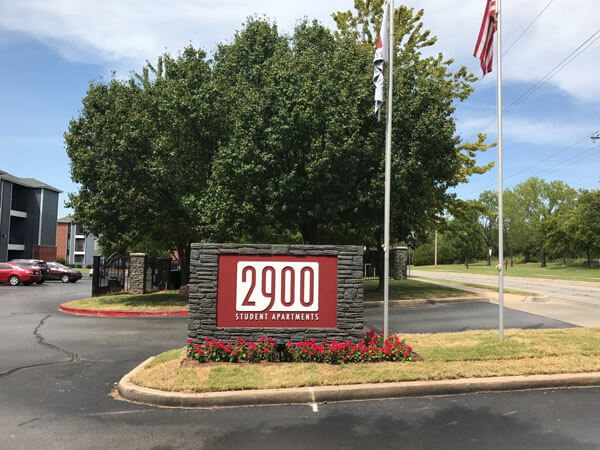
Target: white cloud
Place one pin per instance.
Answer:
(531, 131)
(135, 30)
(125, 33)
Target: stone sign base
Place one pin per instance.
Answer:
(203, 292)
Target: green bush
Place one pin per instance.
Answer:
(423, 255)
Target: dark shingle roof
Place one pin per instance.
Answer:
(27, 182)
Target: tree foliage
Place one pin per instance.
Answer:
(274, 140)
(141, 151)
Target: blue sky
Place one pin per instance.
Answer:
(51, 50)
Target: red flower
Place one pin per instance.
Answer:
(190, 341)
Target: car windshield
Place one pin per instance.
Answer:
(24, 264)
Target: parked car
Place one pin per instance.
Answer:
(63, 273)
(35, 264)
(14, 274)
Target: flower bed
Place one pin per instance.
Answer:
(373, 348)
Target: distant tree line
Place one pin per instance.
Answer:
(271, 140)
(542, 221)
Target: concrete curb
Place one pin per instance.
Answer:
(101, 313)
(426, 301)
(323, 394)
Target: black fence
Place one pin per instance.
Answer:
(370, 265)
(158, 272)
(110, 275)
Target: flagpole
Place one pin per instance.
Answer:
(388, 171)
(500, 189)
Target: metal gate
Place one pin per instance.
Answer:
(157, 274)
(110, 275)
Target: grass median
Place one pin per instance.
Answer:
(553, 271)
(157, 301)
(411, 289)
(445, 356)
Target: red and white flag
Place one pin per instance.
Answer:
(485, 41)
(381, 57)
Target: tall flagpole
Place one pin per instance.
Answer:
(500, 189)
(388, 171)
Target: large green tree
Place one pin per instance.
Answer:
(530, 205)
(584, 223)
(141, 150)
(427, 155)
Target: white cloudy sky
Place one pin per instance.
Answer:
(86, 39)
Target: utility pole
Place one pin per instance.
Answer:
(435, 250)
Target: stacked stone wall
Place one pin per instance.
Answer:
(137, 273)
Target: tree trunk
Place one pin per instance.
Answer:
(309, 233)
(589, 258)
(489, 259)
(184, 250)
(564, 258)
(543, 255)
(467, 262)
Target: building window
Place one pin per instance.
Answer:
(79, 245)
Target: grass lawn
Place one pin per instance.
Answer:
(530, 270)
(488, 288)
(408, 289)
(446, 356)
(157, 301)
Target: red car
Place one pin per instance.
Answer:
(14, 274)
(63, 273)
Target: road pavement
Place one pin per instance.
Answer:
(576, 302)
(57, 372)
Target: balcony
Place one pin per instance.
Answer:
(16, 242)
(15, 213)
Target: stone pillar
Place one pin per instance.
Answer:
(399, 263)
(137, 273)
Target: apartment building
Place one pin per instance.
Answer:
(28, 211)
(75, 245)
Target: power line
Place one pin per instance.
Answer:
(548, 76)
(560, 151)
(527, 28)
(520, 35)
(570, 162)
(561, 65)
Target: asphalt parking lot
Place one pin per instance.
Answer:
(57, 372)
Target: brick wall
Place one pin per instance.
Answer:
(45, 253)
(61, 240)
(204, 260)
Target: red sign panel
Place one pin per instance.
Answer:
(277, 292)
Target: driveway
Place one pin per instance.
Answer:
(576, 302)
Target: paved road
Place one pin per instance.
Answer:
(573, 291)
(576, 302)
(57, 371)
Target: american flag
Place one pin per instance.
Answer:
(483, 48)
(381, 57)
